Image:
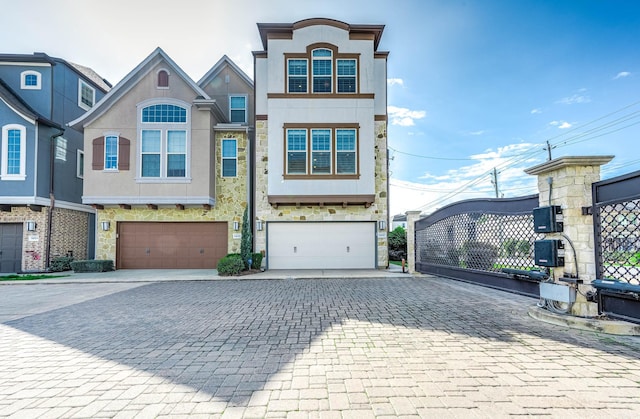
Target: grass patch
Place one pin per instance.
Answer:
(395, 262)
(28, 277)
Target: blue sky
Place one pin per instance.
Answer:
(473, 85)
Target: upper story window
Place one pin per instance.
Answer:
(297, 76)
(229, 157)
(164, 113)
(111, 152)
(330, 71)
(80, 164)
(163, 79)
(86, 95)
(164, 142)
(346, 76)
(238, 109)
(322, 151)
(30, 80)
(322, 70)
(13, 162)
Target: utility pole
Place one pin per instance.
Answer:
(494, 180)
(549, 150)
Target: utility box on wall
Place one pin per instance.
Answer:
(548, 219)
(549, 253)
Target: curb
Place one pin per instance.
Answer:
(611, 327)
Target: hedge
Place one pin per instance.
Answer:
(92, 265)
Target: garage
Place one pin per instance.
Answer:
(10, 248)
(170, 245)
(321, 245)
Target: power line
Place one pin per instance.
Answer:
(572, 140)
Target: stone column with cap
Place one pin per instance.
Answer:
(412, 217)
(566, 181)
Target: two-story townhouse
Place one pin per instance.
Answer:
(166, 166)
(321, 174)
(41, 160)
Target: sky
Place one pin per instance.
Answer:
(478, 90)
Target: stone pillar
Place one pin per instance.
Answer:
(412, 217)
(566, 181)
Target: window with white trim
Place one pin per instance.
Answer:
(297, 76)
(86, 95)
(229, 157)
(322, 70)
(80, 164)
(321, 151)
(164, 142)
(346, 75)
(30, 80)
(111, 152)
(238, 109)
(14, 142)
(296, 151)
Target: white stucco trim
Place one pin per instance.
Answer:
(143, 200)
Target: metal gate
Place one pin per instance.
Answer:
(616, 212)
(475, 240)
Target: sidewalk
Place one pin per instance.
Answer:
(163, 275)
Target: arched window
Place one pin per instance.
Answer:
(322, 70)
(164, 141)
(163, 78)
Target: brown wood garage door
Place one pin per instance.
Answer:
(156, 245)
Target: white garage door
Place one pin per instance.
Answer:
(329, 245)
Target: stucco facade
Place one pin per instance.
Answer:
(333, 197)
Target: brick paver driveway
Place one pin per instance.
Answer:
(421, 347)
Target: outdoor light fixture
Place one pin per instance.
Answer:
(106, 225)
(236, 225)
(382, 225)
(31, 226)
(259, 225)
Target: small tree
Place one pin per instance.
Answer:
(247, 239)
(398, 244)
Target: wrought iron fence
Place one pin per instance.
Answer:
(618, 241)
(481, 241)
(474, 240)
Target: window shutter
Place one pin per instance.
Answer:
(98, 154)
(124, 145)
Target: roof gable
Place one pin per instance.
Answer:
(219, 66)
(131, 80)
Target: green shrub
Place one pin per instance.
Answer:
(60, 264)
(92, 265)
(256, 260)
(231, 264)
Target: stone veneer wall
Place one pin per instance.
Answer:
(377, 211)
(231, 199)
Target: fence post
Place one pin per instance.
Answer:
(412, 217)
(566, 181)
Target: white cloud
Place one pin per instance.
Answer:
(576, 98)
(393, 82)
(436, 189)
(536, 111)
(621, 75)
(403, 116)
(476, 133)
(561, 124)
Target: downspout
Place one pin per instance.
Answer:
(52, 199)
